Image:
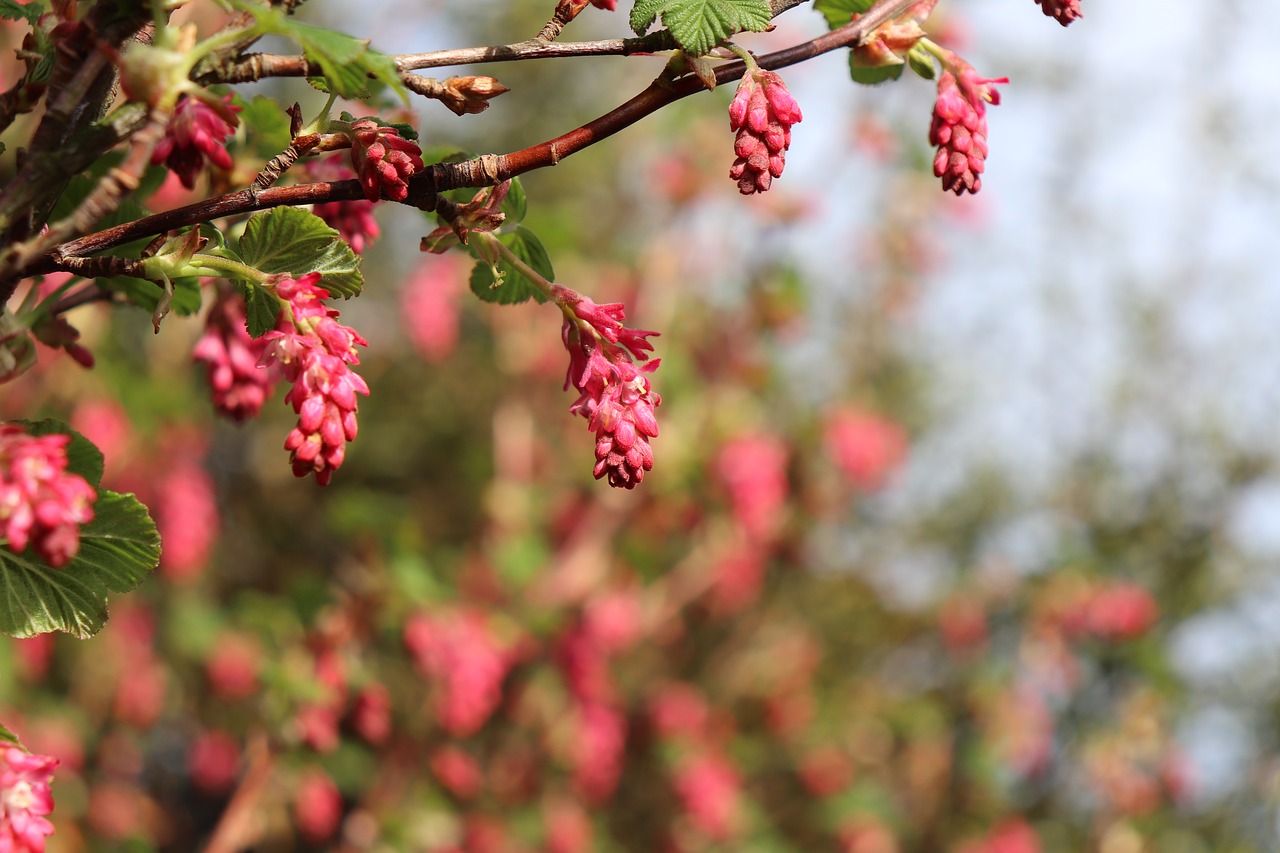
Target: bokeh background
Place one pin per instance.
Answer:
(962, 533)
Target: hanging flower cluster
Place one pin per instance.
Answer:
(353, 220)
(196, 133)
(383, 159)
(238, 384)
(959, 128)
(41, 504)
(1062, 11)
(316, 356)
(614, 394)
(25, 799)
(762, 113)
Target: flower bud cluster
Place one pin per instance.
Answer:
(353, 220)
(383, 159)
(959, 128)
(196, 132)
(41, 504)
(316, 357)
(762, 113)
(239, 386)
(25, 799)
(614, 394)
(460, 651)
(1062, 11)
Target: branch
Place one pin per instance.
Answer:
(482, 171)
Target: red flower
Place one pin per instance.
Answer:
(353, 220)
(762, 113)
(195, 134)
(238, 383)
(959, 128)
(25, 799)
(1062, 11)
(614, 395)
(383, 159)
(41, 505)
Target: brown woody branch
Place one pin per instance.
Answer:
(482, 171)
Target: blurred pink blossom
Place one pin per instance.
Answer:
(429, 306)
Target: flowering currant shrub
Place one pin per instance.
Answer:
(142, 172)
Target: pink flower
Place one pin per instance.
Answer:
(214, 762)
(41, 505)
(1013, 835)
(679, 710)
(614, 395)
(383, 159)
(232, 666)
(371, 714)
(457, 771)
(195, 134)
(459, 651)
(607, 5)
(598, 753)
(709, 789)
(429, 307)
(107, 425)
(762, 113)
(186, 510)
(753, 469)
(1121, 611)
(25, 799)
(568, 827)
(353, 220)
(238, 383)
(1062, 11)
(315, 358)
(317, 807)
(865, 447)
(959, 128)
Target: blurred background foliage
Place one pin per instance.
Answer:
(824, 622)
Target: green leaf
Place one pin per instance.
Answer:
(295, 241)
(700, 25)
(267, 125)
(187, 296)
(10, 738)
(840, 12)
(261, 308)
(514, 287)
(515, 205)
(118, 549)
(922, 62)
(869, 76)
(83, 456)
(13, 11)
(406, 130)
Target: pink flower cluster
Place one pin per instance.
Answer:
(709, 787)
(460, 652)
(1062, 11)
(959, 128)
(614, 394)
(383, 159)
(316, 357)
(753, 470)
(238, 384)
(353, 220)
(196, 132)
(25, 799)
(762, 113)
(41, 504)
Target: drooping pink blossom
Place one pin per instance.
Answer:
(459, 652)
(753, 470)
(371, 714)
(1121, 611)
(383, 159)
(25, 799)
(615, 395)
(709, 787)
(457, 771)
(353, 220)
(585, 665)
(679, 710)
(959, 128)
(316, 357)
(41, 503)
(429, 303)
(232, 666)
(1013, 835)
(762, 113)
(213, 760)
(186, 510)
(107, 425)
(238, 383)
(865, 447)
(568, 826)
(196, 133)
(1062, 11)
(600, 742)
(317, 807)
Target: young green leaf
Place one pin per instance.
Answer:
(295, 241)
(187, 296)
(840, 12)
(700, 25)
(270, 125)
(922, 62)
(514, 287)
(871, 75)
(118, 549)
(261, 308)
(11, 10)
(8, 737)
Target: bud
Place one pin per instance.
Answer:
(383, 159)
(959, 128)
(195, 135)
(1062, 11)
(470, 95)
(762, 113)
